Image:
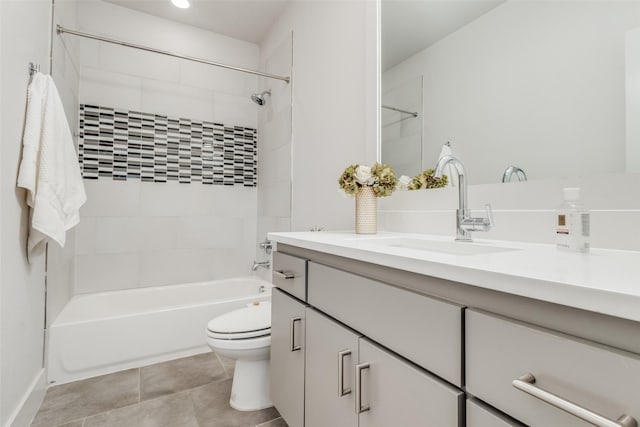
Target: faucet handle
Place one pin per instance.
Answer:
(489, 214)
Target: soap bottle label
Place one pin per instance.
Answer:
(572, 231)
(563, 232)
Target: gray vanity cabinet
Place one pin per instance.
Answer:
(481, 415)
(287, 357)
(397, 393)
(530, 372)
(351, 382)
(332, 353)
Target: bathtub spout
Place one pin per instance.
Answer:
(256, 265)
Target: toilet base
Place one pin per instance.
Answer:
(250, 389)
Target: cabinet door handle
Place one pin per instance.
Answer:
(292, 333)
(526, 384)
(341, 390)
(284, 274)
(359, 368)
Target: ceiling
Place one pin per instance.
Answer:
(409, 26)
(248, 20)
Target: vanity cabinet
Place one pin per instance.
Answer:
(386, 347)
(481, 415)
(332, 353)
(351, 381)
(427, 331)
(287, 356)
(507, 358)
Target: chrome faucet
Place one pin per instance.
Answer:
(511, 170)
(256, 265)
(465, 223)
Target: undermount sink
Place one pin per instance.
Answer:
(453, 248)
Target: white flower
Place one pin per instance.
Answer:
(363, 175)
(403, 182)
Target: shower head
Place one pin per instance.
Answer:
(259, 98)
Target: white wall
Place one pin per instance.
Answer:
(24, 37)
(531, 83)
(135, 234)
(333, 78)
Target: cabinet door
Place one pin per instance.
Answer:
(287, 357)
(394, 392)
(332, 352)
(481, 415)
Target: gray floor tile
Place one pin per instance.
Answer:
(177, 375)
(169, 411)
(278, 422)
(229, 364)
(77, 423)
(79, 399)
(211, 403)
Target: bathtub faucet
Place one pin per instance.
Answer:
(256, 265)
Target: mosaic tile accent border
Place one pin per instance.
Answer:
(130, 145)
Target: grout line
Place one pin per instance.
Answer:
(224, 368)
(139, 384)
(268, 422)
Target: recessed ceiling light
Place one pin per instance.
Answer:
(182, 4)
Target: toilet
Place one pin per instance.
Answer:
(245, 336)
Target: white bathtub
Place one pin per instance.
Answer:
(106, 332)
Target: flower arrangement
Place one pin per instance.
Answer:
(425, 180)
(380, 177)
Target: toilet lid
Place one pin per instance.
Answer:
(247, 322)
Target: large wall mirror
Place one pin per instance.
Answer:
(551, 87)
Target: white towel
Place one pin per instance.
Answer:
(450, 170)
(49, 169)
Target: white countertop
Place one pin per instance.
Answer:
(603, 281)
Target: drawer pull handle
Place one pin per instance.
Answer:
(526, 384)
(359, 368)
(342, 391)
(292, 333)
(286, 275)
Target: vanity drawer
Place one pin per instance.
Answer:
(600, 379)
(424, 330)
(290, 274)
(481, 415)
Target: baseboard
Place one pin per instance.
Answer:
(26, 411)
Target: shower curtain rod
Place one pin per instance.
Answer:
(388, 107)
(60, 29)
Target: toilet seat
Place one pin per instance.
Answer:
(253, 321)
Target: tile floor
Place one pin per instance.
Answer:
(189, 392)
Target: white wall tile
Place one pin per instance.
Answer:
(218, 80)
(138, 63)
(235, 110)
(174, 199)
(157, 233)
(106, 272)
(229, 263)
(86, 236)
(111, 198)
(275, 199)
(174, 267)
(208, 232)
(174, 100)
(117, 235)
(110, 89)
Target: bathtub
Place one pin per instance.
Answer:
(106, 332)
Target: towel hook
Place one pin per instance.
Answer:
(33, 68)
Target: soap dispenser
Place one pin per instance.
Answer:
(572, 223)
